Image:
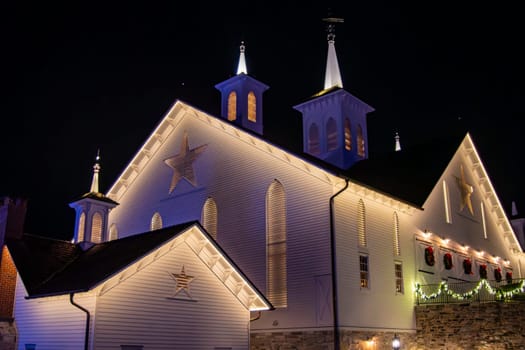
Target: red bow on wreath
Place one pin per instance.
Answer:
(467, 266)
(483, 271)
(497, 274)
(429, 256)
(447, 260)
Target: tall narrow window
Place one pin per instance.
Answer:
(81, 227)
(398, 271)
(113, 232)
(331, 135)
(397, 247)
(446, 200)
(361, 229)
(360, 141)
(276, 244)
(363, 271)
(348, 135)
(483, 221)
(232, 106)
(313, 140)
(209, 217)
(252, 107)
(96, 228)
(156, 222)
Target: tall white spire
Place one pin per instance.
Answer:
(332, 75)
(241, 68)
(96, 170)
(514, 209)
(398, 144)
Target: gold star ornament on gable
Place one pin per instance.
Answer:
(183, 282)
(466, 191)
(182, 163)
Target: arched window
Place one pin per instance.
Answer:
(360, 141)
(252, 107)
(156, 222)
(276, 245)
(331, 135)
(446, 200)
(96, 228)
(313, 140)
(81, 227)
(232, 106)
(209, 217)
(348, 135)
(113, 232)
(361, 229)
(397, 247)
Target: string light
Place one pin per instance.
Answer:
(502, 292)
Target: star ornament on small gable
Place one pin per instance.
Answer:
(466, 191)
(182, 163)
(182, 283)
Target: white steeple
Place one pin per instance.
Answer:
(332, 75)
(96, 169)
(241, 68)
(514, 209)
(398, 144)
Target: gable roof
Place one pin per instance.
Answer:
(51, 267)
(408, 175)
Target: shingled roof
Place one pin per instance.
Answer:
(52, 267)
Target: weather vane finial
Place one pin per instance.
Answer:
(330, 27)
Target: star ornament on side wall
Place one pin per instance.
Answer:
(182, 163)
(182, 282)
(466, 191)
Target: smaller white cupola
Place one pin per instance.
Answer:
(241, 97)
(92, 211)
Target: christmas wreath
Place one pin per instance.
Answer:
(497, 274)
(467, 266)
(447, 260)
(508, 277)
(429, 256)
(483, 271)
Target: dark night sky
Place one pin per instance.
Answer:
(79, 76)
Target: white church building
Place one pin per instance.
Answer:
(320, 246)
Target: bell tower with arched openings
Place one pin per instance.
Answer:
(334, 121)
(241, 98)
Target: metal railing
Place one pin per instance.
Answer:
(481, 291)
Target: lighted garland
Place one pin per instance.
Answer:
(502, 292)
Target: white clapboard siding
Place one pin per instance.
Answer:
(51, 323)
(144, 311)
(366, 307)
(237, 176)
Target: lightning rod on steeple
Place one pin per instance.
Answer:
(242, 68)
(332, 74)
(96, 170)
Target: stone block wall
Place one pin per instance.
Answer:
(7, 334)
(494, 326)
(485, 326)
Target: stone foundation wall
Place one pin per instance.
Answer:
(488, 326)
(7, 334)
(494, 326)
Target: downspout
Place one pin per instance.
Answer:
(86, 339)
(334, 272)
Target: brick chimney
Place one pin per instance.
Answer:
(12, 218)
